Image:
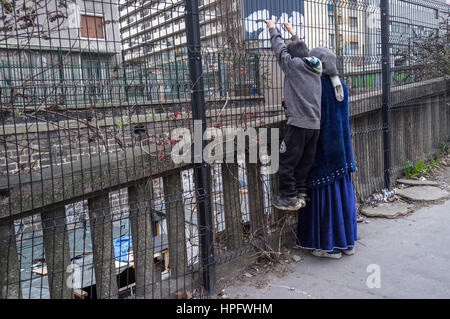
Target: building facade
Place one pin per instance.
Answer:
(153, 33)
(70, 44)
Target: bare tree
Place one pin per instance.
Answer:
(429, 53)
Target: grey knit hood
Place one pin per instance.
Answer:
(328, 60)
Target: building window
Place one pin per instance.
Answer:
(148, 49)
(378, 48)
(330, 19)
(353, 47)
(203, 31)
(330, 7)
(145, 25)
(331, 41)
(42, 61)
(145, 12)
(91, 27)
(353, 21)
(146, 36)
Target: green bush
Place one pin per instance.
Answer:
(415, 170)
(445, 147)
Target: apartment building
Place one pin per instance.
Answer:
(156, 29)
(154, 42)
(153, 32)
(151, 27)
(74, 42)
(408, 20)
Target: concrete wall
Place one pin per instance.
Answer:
(418, 128)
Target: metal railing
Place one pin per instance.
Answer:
(92, 204)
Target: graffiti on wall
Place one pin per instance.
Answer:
(255, 12)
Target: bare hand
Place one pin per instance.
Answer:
(289, 28)
(270, 23)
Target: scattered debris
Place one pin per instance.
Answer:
(416, 192)
(296, 258)
(183, 294)
(248, 275)
(359, 217)
(40, 270)
(80, 294)
(385, 196)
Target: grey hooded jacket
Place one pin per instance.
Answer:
(302, 86)
(328, 58)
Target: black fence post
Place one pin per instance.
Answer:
(124, 75)
(201, 170)
(386, 93)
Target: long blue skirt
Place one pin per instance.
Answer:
(329, 220)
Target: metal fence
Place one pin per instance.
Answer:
(92, 204)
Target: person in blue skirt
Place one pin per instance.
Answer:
(327, 225)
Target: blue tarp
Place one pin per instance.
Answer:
(122, 246)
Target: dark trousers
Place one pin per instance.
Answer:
(297, 152)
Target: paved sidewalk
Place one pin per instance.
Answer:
(413, 254)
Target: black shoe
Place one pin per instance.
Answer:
(287, 203)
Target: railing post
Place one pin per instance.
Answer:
(175, 218)
(100, 220)
(255, 198)
(219, 71)
(272, 147)
(124, 66)
(274, 187)
(435, 121)
(386, 93)
(57, 253)
(9, 263)
(142, 238)
(232, 204)
(337, 37)
(201, 170)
